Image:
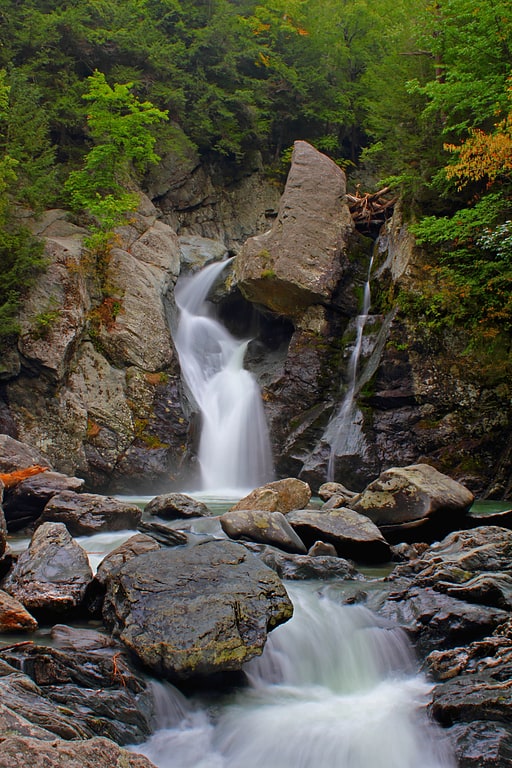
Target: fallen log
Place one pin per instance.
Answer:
(10, 479)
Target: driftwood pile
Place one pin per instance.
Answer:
(371, 209)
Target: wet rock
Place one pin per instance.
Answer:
(195, 610)
(403, 500)
(13, 616)
(435, 621)
(482, 744)
(261, 526)
(474, 565)
(136, 545)
(173, 506)
(18, 752)
(352, 535)
(279, 496)
(84, 514)
(24, 503)
(304, 567)
(11, 722)
(51, 576)
(88, 679)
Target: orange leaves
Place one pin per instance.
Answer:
(10, 479)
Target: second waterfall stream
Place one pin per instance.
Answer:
(234, 448)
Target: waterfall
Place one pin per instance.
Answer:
(234, 447)
(335, 688)
(343, 432)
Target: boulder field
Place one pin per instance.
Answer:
(193, 608)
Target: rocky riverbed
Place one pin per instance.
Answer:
(79, 649)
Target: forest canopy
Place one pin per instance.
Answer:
(412, 93)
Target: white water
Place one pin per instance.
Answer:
(342, 432)
(234, 447)
(335, 688)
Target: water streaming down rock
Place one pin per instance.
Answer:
(343, 431)
(335, 688)
(234, 447)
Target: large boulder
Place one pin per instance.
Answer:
(195, 610)
(261, 526)
(299, 261)
(52, 575)
(353, 535)
(84, 514)
(404, 499)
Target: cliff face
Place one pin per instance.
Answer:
(95, 384)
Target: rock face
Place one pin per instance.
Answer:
(403, 500)
(195, 611)
(52, 574)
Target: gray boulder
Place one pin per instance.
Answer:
(173, 506)
(298, 262)
(195, 610)
(261, 526)
(52, 574)
(353, 535)
(84, 514)
(303, 567)
(403, 500)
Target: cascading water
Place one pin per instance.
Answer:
(334, 688)
(342, 432)
(234, 448)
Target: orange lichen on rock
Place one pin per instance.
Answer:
(10, 479)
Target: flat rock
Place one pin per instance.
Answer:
(84, 514)
(262, 526)
(353, 535)
(192, 611)
(52, 574)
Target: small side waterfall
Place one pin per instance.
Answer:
(234, 448)
(336, 687)
(342, 433)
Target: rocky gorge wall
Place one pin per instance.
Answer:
(94, 380)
